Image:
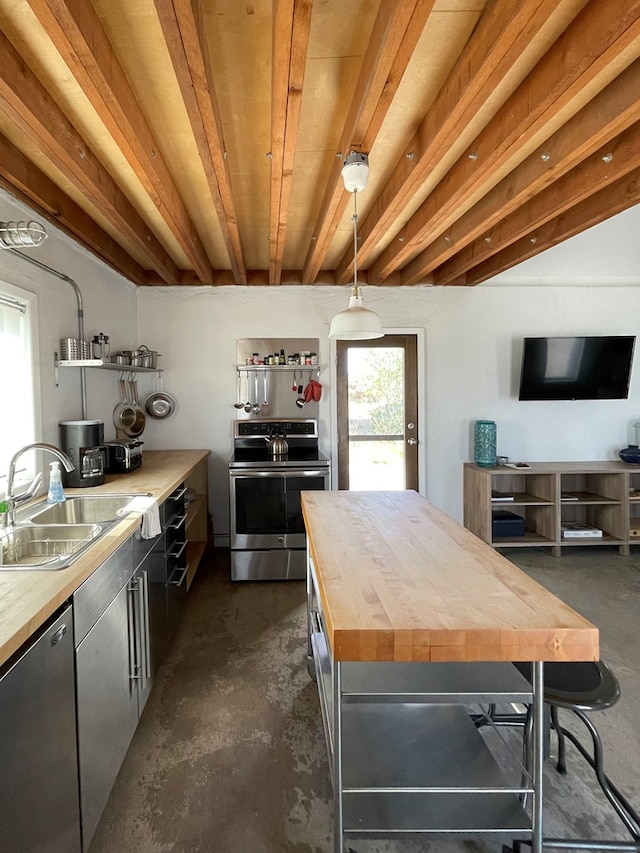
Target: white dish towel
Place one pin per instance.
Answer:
(148, 508)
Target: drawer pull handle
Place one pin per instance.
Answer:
(182, 572)
(177, 553)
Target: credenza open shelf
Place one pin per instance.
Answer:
(602, 495)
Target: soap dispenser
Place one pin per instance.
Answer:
(56, 492)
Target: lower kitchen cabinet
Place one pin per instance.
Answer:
(174, 516)
(150, 583)
(197, 521)
(71, 697)
(126, 614)
(106, 680)
(38, 758)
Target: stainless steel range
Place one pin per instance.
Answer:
(267, 529)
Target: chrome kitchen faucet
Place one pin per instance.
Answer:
(14, 500)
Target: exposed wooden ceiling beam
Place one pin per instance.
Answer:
(79, 37)
(508, 28)
(579, 59)
(612, 162)
(261, 278)
(184, 36)
(604, 204)
(396, 31)
(30, 107)
(21, 177)
(291, 26)
(613, 110)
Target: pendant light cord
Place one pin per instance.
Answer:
(355, 241)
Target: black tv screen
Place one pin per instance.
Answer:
(576, 368)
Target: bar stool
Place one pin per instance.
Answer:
(581, 687)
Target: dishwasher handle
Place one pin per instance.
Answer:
(134, 666)
(138, 613)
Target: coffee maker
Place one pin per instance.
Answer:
(83, 442)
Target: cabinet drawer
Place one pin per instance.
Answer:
(175, 531)
(93, 597)
(173, 505)
(176, 559)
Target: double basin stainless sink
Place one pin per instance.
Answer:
(53, 536)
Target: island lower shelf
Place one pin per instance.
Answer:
(412, 760)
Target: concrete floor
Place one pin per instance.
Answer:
(229, 755)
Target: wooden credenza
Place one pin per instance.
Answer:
(548, 495)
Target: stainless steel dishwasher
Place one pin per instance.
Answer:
(106, 691)
(39, 778)
(120, 636)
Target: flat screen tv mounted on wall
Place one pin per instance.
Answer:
(576, 368)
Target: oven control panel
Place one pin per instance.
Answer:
(303, 427)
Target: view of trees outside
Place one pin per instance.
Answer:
(376, 407)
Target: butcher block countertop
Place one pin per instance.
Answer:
(399, 580)
(28, 598)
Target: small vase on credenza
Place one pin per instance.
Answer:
(631, 454)
(484, 443)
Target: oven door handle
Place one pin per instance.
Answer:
(290, 472)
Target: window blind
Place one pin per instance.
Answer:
(11, 313)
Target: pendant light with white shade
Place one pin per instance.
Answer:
(355, 323)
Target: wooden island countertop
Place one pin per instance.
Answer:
(28, 598)
(399, 580)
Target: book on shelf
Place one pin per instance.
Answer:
(579, 530)
(501, 498)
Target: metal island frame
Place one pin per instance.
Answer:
(412, 621)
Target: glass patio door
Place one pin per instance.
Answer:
(377, 412)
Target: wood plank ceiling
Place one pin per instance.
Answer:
(201, 141)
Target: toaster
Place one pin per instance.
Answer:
(123, 455)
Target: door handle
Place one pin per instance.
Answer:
(412, 441)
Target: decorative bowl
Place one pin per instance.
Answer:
(630, 454)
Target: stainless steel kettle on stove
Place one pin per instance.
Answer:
(277, 445)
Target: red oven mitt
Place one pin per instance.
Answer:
(313, 391)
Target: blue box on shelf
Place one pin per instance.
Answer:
(504, 523)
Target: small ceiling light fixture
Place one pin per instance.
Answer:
(21, 235)
(355, 323)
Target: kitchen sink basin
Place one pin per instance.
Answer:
(92, 509)
(45, 546)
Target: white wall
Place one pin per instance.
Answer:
(109, 305)
(471, 355)
(470, 369)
